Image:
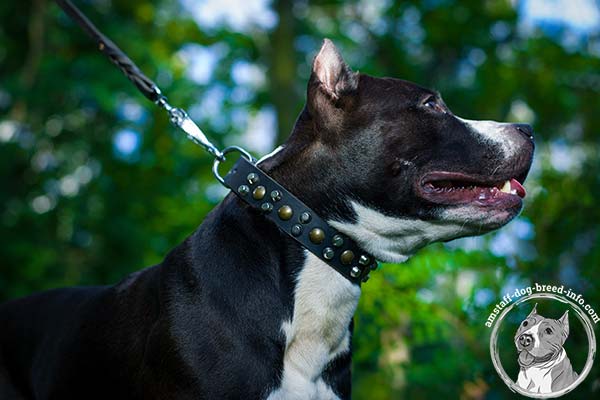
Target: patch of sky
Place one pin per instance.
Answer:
(200, 61)
(569, 22)
(410, 31)
(131, 110)
(566, 158)
(214, 14)
(248, 74)
(515, 241)
(126, 144)
(484, 297)
(259, 135)
(500, 30)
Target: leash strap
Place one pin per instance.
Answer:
(114, 54)
(298, 221)
(145, 85)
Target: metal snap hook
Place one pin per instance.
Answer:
(227, 150)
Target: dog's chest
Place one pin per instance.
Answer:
(324, 303)
(538, 379)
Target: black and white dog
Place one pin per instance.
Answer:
(241, 311)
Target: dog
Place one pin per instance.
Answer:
(544, 364)
(239, 310)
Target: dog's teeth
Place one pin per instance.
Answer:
(506, 188)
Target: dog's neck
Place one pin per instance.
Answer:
(308, 168)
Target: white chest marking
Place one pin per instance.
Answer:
(324, 304)
(325, 301)
(538, 379)
(393, 239)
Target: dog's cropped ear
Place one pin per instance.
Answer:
(331, 73)
(332, 85)
(564, 320)
(533, 312)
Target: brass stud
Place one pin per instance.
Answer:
(243, 190)
(297, 230)
(252, 178)
(285, 212)
(276, 195)
(259, 193)
(328, 253)
(316, 235)
(364, 260)
(337, 240)
(347, 257)
(266, 207)
(355, 271)
(305, 217)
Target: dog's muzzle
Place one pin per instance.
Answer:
(526, 340)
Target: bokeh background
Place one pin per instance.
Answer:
(97, 184)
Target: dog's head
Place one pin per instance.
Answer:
(538, 339)
(390, 165)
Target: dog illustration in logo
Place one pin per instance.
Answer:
(545, 367)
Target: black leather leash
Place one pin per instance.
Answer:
(114, 54)
(246, 179)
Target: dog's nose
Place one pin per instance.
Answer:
(525, 340)
(525, 130)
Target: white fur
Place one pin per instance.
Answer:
(496, 133)
(271, 154)
(534, 331)
(539, 375)
(393, 239)
(324, 303)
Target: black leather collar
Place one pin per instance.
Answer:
(298, 221)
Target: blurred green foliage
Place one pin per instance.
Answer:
(96, 184)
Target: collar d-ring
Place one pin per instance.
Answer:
(222, 157)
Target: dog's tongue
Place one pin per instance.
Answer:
(515, 185)
(525, 358)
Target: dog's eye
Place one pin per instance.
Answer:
(431, 103)
(434, 105)
(549, 331)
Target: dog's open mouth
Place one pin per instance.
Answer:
(458, 188)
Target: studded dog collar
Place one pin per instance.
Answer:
(298, 221)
